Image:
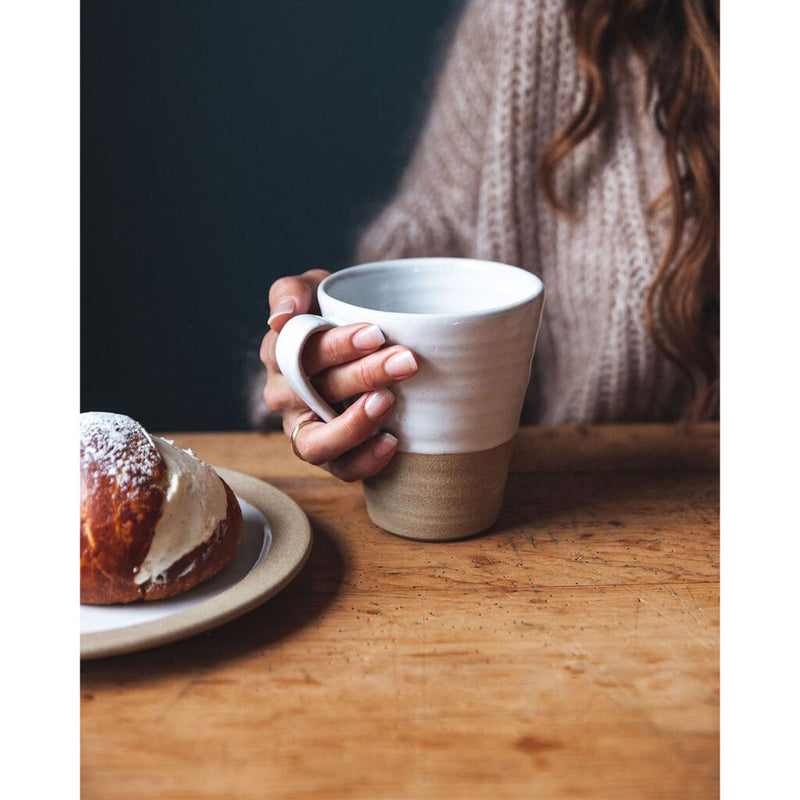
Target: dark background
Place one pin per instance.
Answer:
(224, 144)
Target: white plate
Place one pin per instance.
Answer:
(276, 541)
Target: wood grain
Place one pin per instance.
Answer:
(570, 652)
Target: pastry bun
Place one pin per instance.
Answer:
(155, 520)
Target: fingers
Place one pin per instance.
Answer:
(347, 361)
(267, 350)
(366, 460)
(322, 443)
(293, 295)
(375, 371)
(344, 362)
(340, 345)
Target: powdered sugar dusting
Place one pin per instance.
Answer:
(109, 445)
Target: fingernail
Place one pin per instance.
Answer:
(402, 364)
(367, 338)
(285, 306)
(377, 403)
(384, 444)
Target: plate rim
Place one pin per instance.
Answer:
(290, 548)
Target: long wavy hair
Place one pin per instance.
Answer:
(678, 41)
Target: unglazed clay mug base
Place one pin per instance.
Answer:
(442, 496)
(473, 326)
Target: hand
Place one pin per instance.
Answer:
(342, 363)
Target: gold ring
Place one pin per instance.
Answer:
(293, 438)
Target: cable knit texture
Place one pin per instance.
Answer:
(510, 81)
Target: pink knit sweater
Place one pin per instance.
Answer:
(509, 82)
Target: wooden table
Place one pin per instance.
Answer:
(571, 652)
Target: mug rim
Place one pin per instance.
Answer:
(537, 286)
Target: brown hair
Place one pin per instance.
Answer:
(678, 40)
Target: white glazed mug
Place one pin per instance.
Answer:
(473, 326)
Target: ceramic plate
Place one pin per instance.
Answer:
(276, 541)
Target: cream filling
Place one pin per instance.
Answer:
(193, 507)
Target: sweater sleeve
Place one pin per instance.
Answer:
(434, 211)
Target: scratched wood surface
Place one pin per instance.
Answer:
(571, 652)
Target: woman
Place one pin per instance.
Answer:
(578, 139)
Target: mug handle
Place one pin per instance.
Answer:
(289, 355)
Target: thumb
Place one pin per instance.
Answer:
(293, 295)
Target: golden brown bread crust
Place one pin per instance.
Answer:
(123, 487)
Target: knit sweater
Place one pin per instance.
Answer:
(509, 82)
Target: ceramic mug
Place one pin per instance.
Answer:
(473, 326)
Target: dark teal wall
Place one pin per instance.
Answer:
(224, 144)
